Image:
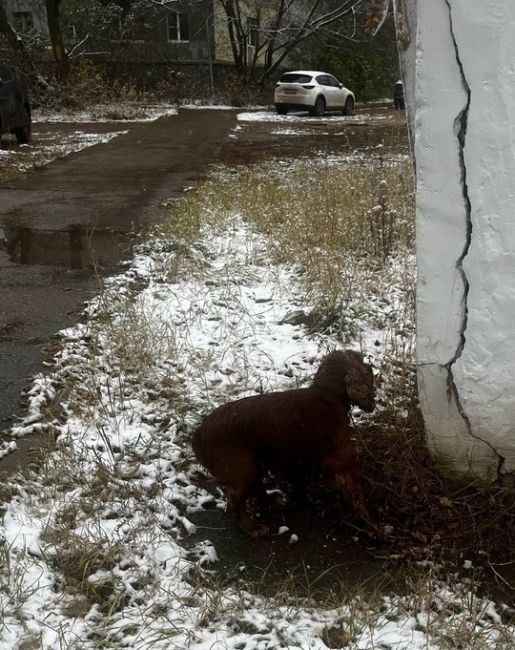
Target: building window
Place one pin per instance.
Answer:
(253, 31)
(23, 21)
(178, 26)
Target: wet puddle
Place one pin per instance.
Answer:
(75, 248)
(46, 275)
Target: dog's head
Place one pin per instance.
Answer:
(347, 376)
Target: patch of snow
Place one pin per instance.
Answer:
(303, 116)
(287, 132)
(115, 113)
(7, 447)
(48, 148)
(208, 107)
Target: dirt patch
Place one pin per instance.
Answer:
(381, 131)
(316, 553)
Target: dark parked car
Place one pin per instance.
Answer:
(15, 113)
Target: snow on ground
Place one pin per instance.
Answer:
(289, 131)
(94, 548)
(199, 106)
(48, 147)
(120, 487)
(108, 113)
(302, 116)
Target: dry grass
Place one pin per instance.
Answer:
(348, 230)
(319, 214)
(338, 224)
(431, 515)
(8, 172)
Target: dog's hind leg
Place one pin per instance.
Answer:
(241, 482)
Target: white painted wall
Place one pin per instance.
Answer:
(465, 159)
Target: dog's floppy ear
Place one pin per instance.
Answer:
(331, 373)
(359, 381)
(344, 374)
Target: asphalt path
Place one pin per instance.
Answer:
(63, 224)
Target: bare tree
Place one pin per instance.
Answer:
(274, 29)
(262, 33)
(20, 52)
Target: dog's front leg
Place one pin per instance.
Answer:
(237, 506)
(343, 464)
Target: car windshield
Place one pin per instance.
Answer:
(295, 78)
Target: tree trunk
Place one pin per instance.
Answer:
(269, 55)
(405, 12)
(56, 37)
(235, 37)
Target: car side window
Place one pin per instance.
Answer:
(334, 82)
(323, 80)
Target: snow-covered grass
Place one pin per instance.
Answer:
(345, 226)
(49, 144)
(367, 117)
(228, 298)
(112, 112)
(21, 158)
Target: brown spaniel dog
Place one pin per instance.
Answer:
(306, 427)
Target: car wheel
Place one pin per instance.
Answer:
(349, 106)
(319, 108)
(24, 133)
(281, 110)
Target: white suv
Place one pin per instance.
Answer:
(316, 92)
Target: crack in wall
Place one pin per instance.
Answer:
(460, 130)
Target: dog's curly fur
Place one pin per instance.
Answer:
(288, 430)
